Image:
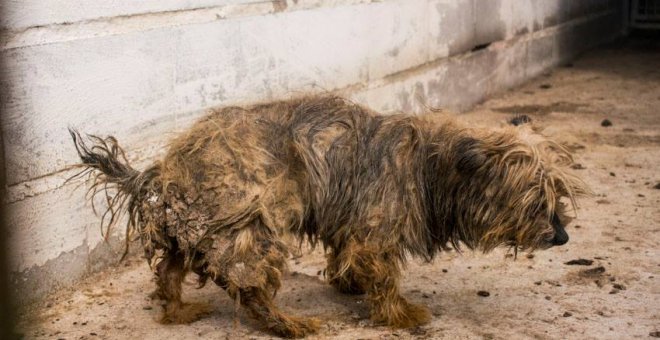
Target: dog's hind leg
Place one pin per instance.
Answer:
(262, 307)
(170, 273)
(375, 269)
(251, 275)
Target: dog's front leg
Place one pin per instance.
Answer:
(375, 269)
(342, 279)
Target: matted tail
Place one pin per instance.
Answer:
(105, 162)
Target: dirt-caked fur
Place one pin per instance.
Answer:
(371, 189)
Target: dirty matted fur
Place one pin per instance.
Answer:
(371, 189)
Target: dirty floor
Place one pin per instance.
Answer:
(615, 294)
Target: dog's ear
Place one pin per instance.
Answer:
(469, 156)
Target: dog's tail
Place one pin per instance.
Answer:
(122, 185)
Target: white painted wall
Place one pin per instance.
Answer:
(142, 70)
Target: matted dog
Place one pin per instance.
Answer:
(371, 189)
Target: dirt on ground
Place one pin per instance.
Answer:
(604, 284)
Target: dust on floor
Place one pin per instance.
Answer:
(613, 292)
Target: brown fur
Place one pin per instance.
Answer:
(371, 189)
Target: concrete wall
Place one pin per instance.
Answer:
(142, 70)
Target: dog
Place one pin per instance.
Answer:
(373, 190)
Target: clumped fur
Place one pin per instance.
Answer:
(371, 189)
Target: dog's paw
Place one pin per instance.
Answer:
(415, 315)
(184, 313)
(403, 315)
(293, 327)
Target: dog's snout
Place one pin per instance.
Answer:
(561, 236)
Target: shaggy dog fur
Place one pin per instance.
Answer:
(371, 189)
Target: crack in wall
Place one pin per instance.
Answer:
(131, 23)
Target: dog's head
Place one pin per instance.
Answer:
(512, 188)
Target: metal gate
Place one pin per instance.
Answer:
(645, 14)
